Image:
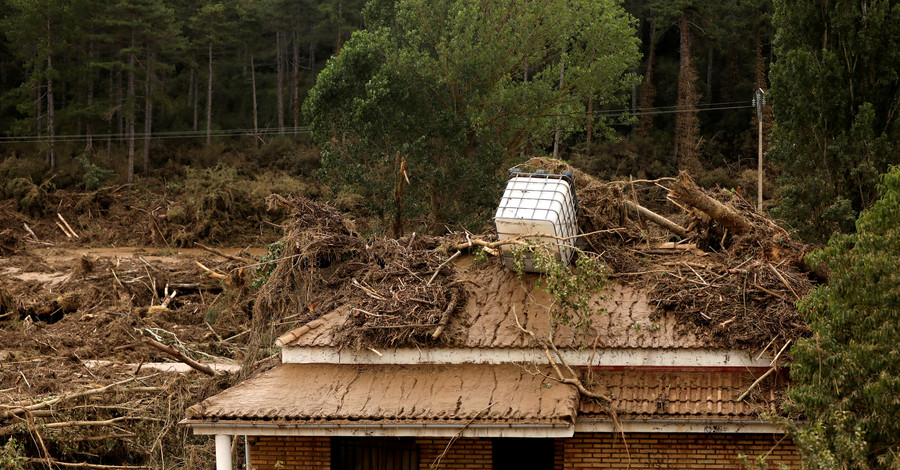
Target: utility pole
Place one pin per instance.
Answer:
(759, 100)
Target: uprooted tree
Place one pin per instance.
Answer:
(421, 110)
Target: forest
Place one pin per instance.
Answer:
(163, 125)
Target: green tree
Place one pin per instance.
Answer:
(835, 93)
(453, 90)
(847, 375)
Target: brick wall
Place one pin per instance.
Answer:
(293, 453)
(465, 454)
(676, 451)
(584, 451)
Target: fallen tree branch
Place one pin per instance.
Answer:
(67, 225)
(180, 356)
(688, 192)
(212, 273)
(214, 251)
(84, 464)
(783, 280)
(22, 408)
(445, 317)
(656, 219)
(438, 270)
(754, 384)
(547, 346)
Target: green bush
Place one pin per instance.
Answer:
(94, 177)
(29, 197)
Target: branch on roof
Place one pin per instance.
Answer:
(550, 351)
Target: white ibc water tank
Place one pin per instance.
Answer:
(538, 203)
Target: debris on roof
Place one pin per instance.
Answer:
(728, 273)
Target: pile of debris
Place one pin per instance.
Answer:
(728, 271)
(401, 291)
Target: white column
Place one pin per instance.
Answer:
(223, 452)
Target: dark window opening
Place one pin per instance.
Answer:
(370, 453)
(519, 453)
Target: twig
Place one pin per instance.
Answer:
(767, 346)
(754, 384)
(68, 235)
(28, 229)
(437, 461)
(779, 352)
(574, 380)
(23, 408)
(67, 225)
(368, 290)
(438, 270)
(48, 461)
(772, 293)
(783, 280)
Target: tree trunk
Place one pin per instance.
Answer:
(562, 74)
(279, 87)
(340, 27)
(148, 112)
(686, 122)
(761, 83)
(39, 105)
(120, 100)
(648, 90)
(109, 129)
(51, 124)
(209, 82)
(590, 124)
(709, 73)
(129, 118)
(89, 128)
(295, 90)
(255, 107)
(194, 95)
(685, 190)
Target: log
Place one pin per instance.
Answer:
(181, 357)
(685, 190)
(656, 219)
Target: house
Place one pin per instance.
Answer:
(483, 399)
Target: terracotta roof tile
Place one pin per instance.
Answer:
(686, 395)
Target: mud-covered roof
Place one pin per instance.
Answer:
(395, 393)
(683, 395)
(496, 296)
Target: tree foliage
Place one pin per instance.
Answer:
(836, 93)
(458, 89)
(848, 373)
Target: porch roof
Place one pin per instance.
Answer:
(409, 394)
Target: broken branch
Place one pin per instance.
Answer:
(180, 356)
(656, 219)
(214, 251)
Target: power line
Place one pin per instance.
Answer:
(705, 107)
(156, 135)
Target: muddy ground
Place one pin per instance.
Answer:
(79, 381)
